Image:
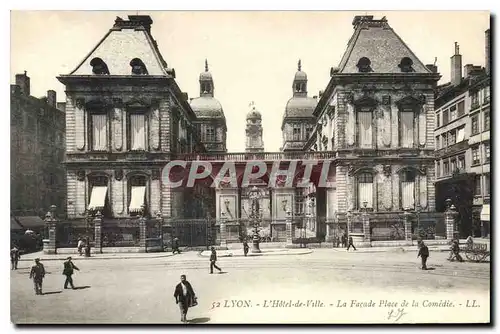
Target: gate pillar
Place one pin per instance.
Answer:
(49, 245)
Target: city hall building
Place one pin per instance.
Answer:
(373, 125)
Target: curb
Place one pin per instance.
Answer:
(98, 258)
(257, 254)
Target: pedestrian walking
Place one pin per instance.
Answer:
(343, 240)
(87, 247)
(455, 252)
(175, 246)
(37, 273)
(350, 244)
(80, 246)
(245, 247)
(69, 268)
(213, 259)
(184, 297)
(423, 252)
(14, 257)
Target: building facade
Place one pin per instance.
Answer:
(125, 117)
(377, 114)
(462, 137)
(37, 129)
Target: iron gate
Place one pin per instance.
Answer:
(190, 232)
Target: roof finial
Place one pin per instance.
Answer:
(206, 65)
(300, 65)
(252, 104)
(457, 48)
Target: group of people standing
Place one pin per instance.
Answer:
(84, 245)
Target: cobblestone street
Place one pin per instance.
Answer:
(141, 290)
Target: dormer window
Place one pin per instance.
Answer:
(298, 87)
(99, 67)
(364, 65)
(138, 67)
(406, 65)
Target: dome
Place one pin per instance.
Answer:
(300, 107)
(300, 76)
(254, 114)
(207, 107)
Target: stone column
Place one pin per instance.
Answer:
(98, 233)
(290, 228)
(49, 245)
(407, 225)
(223, 230)
(142, 234)
(449, 219)
(366, 227)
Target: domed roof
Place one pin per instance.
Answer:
(254, 114)
(300, 106)
(207, 107)
(300, 76)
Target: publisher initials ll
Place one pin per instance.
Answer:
(471, 303)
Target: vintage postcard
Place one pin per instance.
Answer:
(250, 167)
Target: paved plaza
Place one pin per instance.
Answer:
(323, 286)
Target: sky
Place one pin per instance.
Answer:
(252, 55)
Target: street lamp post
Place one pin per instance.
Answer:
(255, 194)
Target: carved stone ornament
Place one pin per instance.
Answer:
(349, 97)
(80, 175)
(387, 170)
(155, 174)
(119, 174)
(80, 103)
(423, 169)
(350, 170)
(386, 100)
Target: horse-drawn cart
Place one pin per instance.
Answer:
(476, 252)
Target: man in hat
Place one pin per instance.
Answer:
(245, 247)
(37, 273)
(455, 252)
(68, 272)
(213, 259)
(350, 244)
(175, 246)
(184, 296)
(423, 252)
(80, 246)
(14, 257)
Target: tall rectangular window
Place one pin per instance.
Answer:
(438, 120)
(461, 109)
(453, 165)
(444, 137)
(476, 159)
(365, 129)
(408, 189)
(486, 93)
(445, 117)
(438, 169)
(99, 132)
(460, 134)
(452, 139)
(407, 128)
(461, 162)
(477, 185)
(486, 120)
(475, 124)
(453, 113)
(487, 184)
(487, 152)
(210, 134)
(446, 168)
(365, 190)
(137, 132)
(474, 100)
(296, 133)
(438, 144)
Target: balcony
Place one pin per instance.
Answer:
(455, 148)
(474, 105)
(265, 156)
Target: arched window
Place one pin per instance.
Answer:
(137, 194)
(99, 67)
(365, 190)
(138, 67)
(406, 65)
(407, 187)
(98, 199)
(364, 65)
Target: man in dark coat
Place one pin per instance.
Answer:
(87, 247)
(184, 296)
(350, 244)
(213, 259)
(69, 267)
(175, 246)
(14, 257)
(423, 252)
(455, 251)
(37, 273)
(245, 247)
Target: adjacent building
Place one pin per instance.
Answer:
(38, 179)
(462, 138)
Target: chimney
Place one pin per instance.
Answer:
(487, 51)
(359, 19)
(23, 81)
(143, 20)
(61, 106)
(456, 66)
(51, 98)
(433, 68)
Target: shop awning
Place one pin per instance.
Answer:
(137, 199)
(31, 222)
(98, 198)
(485, 213)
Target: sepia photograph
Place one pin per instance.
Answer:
(250, 167)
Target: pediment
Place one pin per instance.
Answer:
(410, 101)
(365, 101)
